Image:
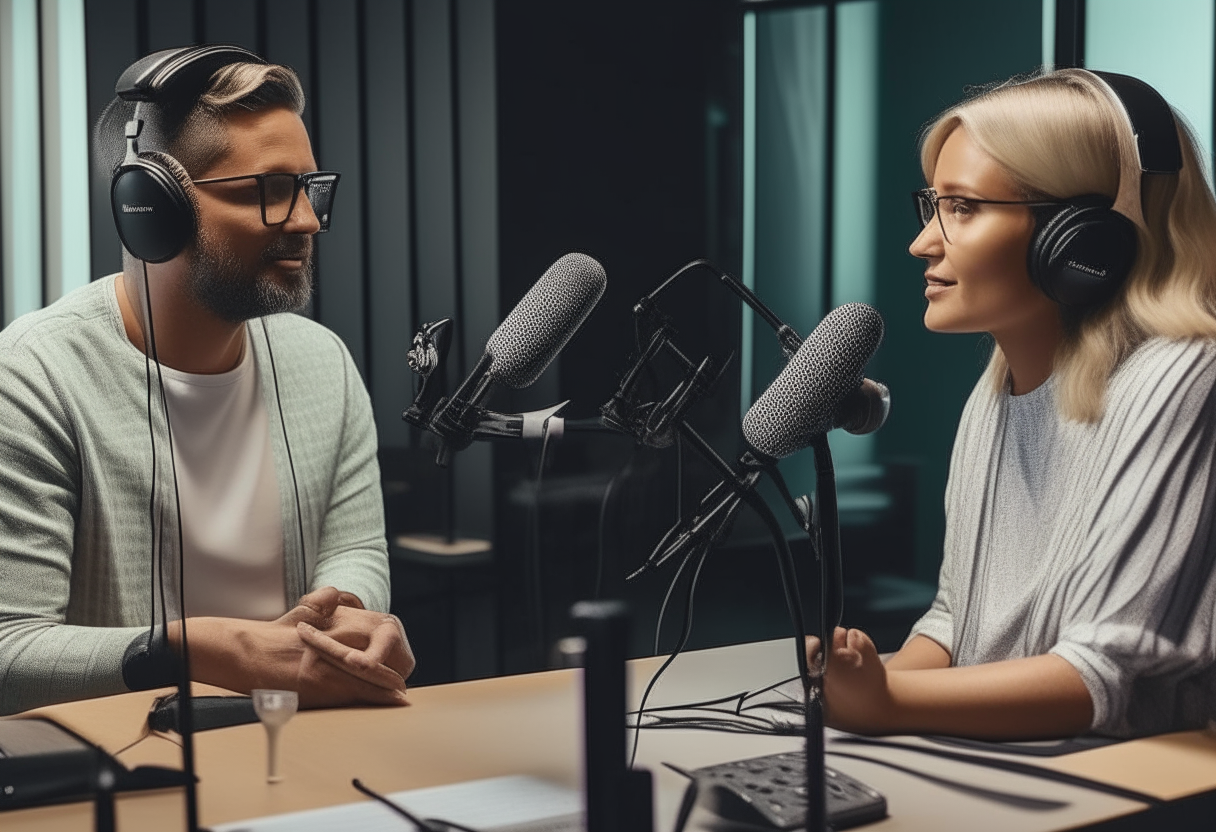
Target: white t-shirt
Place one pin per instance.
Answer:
(232, 525)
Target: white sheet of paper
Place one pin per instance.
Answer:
(499, 804)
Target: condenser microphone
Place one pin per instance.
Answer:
(805, 399)
(525, 343)
(528, 340)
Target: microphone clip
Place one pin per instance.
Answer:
(655, 424)
(430, 351)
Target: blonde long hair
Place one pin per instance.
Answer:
(1063, 134)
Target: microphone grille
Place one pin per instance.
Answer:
(535, 331)
(800, 402)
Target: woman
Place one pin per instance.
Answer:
(1078, 586)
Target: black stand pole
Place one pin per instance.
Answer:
(618, 799)
(103, 797)
(831, 602)
(185, 700)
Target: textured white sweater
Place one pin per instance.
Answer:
(1092, 541)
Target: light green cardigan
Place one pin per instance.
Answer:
(76, 474)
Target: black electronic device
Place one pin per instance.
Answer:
(155, 217)
(43, 763)
(618, 798)
(1082, 250)
(821, 388)
(209, 712)
(769, 792)
(149, 191)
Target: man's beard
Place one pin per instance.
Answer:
(235, 293)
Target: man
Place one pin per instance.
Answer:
(273, 464)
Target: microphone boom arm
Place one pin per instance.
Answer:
(790, 341)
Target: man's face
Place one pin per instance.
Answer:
(241, 268)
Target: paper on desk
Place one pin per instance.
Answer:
(499, 804)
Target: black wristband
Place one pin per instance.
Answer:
(149, 662)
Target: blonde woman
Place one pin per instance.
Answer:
(1078, 586)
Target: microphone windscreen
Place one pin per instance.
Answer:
(801, 401)
(542, 322)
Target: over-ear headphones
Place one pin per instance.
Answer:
(149, 191)
(1082, 251)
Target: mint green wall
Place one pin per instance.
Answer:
(20, 159)
(1167, 43)
(791, 46)
(65, 131)
(44, 175)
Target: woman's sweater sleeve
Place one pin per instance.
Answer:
(1136, 564)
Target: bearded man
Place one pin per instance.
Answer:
(264, 439)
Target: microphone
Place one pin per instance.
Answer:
(819, 387)
(535, 331)
(520, 349)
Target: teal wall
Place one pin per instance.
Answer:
(898, 63)
(1167, 43)
(930, 53)
(44, 206)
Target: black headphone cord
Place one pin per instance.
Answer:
(186, 712)
(150, 338)
(274, 374)
(154, 528)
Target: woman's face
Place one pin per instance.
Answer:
(978, 280)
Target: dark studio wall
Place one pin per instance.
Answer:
(478, 142)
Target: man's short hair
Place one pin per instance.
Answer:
(193, 131)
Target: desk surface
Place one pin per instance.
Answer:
(531, 725)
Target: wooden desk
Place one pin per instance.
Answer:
(531, 725)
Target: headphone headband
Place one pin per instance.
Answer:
(1152, 122)
(186, 68)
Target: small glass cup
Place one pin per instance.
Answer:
(274, 708)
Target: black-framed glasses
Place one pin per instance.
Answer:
(959, 208)
(278, 193)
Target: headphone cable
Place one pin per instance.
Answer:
(186, 711)
(295, 485)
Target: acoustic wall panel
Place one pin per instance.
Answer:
(388, 229)
(339, 137)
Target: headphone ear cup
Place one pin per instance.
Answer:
(154, 210)
(1081, 255)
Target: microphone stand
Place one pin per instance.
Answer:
(624, 413)
(831, 603)
(812, 685)
(790, 342)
